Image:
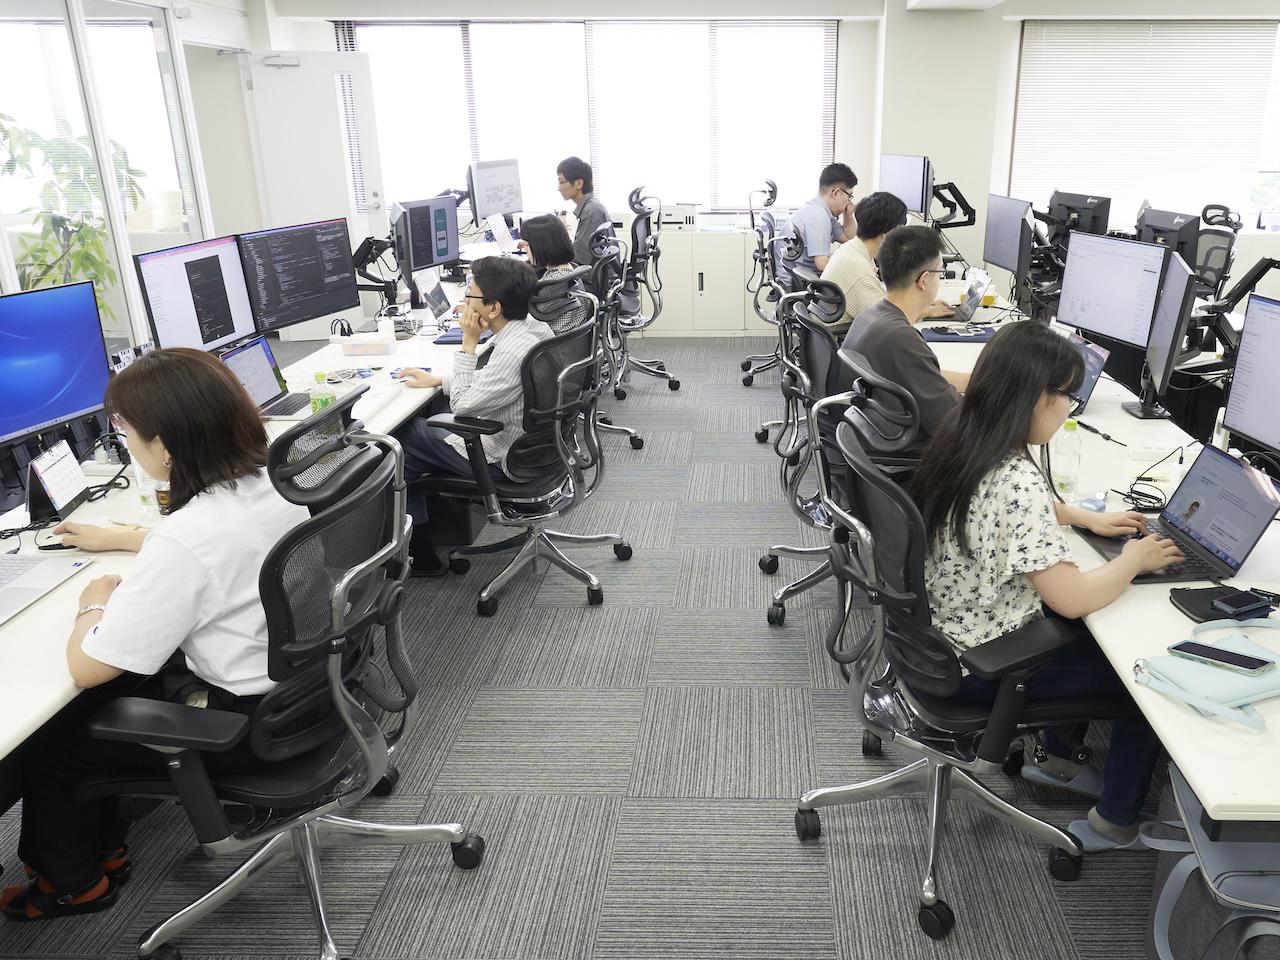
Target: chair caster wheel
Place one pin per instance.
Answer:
(744, 366)
(595, 596)
(607, 421)
(777, 615)
(872, 746)
(637, 443)
(762, 436)
(459, 565)
(1064, 866)
(808, 825)
(387, 785)
(167, 951)
(793, 460)
(468, 852)
(622, 551)
(768, 564)
(673, 384)
(936, 919)
(748, 380)
(619, 394)
(487, 608)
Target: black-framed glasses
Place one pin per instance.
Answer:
(1075, 399)
(474, 296)
(941, 273)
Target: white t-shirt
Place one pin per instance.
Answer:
(1013, 530)
(195, 587)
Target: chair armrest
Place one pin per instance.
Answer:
(465, 426)
(1019, 650)
(175, 726)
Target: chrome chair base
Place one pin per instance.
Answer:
(758, 363)
(938, 782)
(303, 843)
(768, 563)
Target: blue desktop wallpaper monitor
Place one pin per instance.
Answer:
(53, 361)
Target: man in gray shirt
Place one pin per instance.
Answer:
(575, 185)
(822, 221)
(885, 333)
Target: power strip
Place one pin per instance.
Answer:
(92, 468)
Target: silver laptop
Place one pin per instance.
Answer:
(1217, 515)
(24, 580)
(979, 282)
(255, 366)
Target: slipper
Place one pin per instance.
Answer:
(1094, 842)
(36, 901)
(115, 864)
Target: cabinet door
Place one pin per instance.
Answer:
(675, 269)
(719, 285)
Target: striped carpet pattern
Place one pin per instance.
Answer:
(634, 767)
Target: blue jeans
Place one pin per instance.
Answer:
(1083, 671)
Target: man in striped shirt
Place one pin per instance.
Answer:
(497, 299)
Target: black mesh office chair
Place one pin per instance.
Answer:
(562, 302)
(327, 733)
(765, 293)
(904, 674)
(605, 281)
(1215, 249)
(548, 466)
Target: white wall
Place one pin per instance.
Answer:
(858, 98)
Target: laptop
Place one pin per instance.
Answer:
(24, 580)
(1217, 515)
(257, 369)
(1095, 358)
(972, 299)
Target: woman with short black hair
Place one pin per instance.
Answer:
(187, 421)
(551, 255)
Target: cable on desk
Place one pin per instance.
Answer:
(1096, 432)
(117, 482)
(1143, 494)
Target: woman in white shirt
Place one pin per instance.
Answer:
(187, 420)
(997, 554)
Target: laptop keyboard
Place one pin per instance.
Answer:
(11, 568)
(1192, 565)
(289, 403)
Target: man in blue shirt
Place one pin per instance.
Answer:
(826, 218)
(575, 185)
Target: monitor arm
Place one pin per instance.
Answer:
(368, 253)
(1214, 315)
(949, 195)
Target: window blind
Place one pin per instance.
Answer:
(1168, 112)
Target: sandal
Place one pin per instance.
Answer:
(38, 901)
(115, 864)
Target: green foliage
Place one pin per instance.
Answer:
(69, 242)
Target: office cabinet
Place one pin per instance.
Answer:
(675, 268)
(719, 285)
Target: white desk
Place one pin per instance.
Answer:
(35, 640)
(1234, 771)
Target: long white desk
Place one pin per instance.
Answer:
(38, 685)
(1234, 771)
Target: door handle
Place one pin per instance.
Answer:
(699, 282)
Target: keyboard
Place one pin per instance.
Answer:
(1192, 565)
(11, 567)
(289, 403)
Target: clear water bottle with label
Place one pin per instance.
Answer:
(1064, 460)
(146, 485)
(322, 394)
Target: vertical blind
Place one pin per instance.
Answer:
(1188, 130)
(689, 109)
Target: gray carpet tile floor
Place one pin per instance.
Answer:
(634, 767)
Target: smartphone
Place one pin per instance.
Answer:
(1217, 657)
(1241, 603)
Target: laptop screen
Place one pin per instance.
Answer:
(978, 283)
(1223, 505)
(254, 364)
(1095, 358)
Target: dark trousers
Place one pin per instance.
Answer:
(1083, 671)
(62, 834)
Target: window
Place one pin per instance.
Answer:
(1191, 129)
(678, 107)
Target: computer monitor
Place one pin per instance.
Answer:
(1007, 243)
(425, 233)
(1164, 343)
(195, 294)
(53, 359)
(1079, 212)
(908, 178)
(1254, 398)
(495, 188)
(1179, 232)
(299, 273)
(1110, 286)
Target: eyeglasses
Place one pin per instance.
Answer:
(474, 296)
(940, 273)
(1075, 400)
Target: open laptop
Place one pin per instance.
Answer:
(979, 281)
(1216, 516)
(24, 580)
(1095, 358)
(257, 369)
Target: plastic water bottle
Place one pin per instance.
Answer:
(1064, 460)
(322, 394)
(146, 489)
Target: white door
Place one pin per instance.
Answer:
(304, 108)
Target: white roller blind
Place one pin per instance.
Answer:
(1171, 112)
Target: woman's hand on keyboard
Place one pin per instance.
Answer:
(1123, 523)
(1152, 553)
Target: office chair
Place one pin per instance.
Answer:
(1215, 249)
(549, 463)
(787, 247)
(605, 280)
(327, 733)
(764, 296)
(904, 674)
(562, 302)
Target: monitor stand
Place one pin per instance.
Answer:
(1147, 406)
